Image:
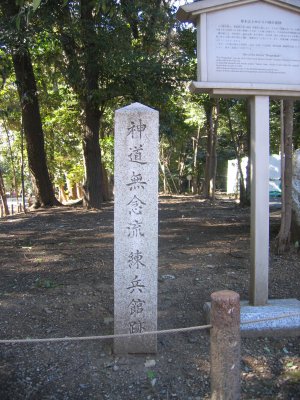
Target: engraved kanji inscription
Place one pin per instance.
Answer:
(136, 155)
(136, 129)
(136, 285)
(136, 326)
(135, 260)
(137, 182)
(135, 229)
(136, 205)
(136, 307)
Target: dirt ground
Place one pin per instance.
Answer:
(57, 280)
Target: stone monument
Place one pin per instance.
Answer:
(135, 228)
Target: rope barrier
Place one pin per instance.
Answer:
(270, 319)
(103, 337)
(127, 335)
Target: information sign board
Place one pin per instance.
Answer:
(246, 47)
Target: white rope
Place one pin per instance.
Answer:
(270, 319)
(127, 335)
(104, 337)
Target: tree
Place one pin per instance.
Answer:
(111, 50)
(283, 237)
(236, 121)
(195, 113)
(3, 195)
(212, 114)
(17, 43)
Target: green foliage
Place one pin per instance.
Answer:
(275, 127)
(45, 284)
(35, 4)
(107, 146)
(137, 51)
(10, 135)
(296, 138)
(151, 375)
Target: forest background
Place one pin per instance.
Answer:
(67, 65)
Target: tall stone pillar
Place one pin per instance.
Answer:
(136, 228)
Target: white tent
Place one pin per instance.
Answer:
(233, 175)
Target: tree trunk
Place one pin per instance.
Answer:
(162, 166)
(195, 181)
(33, 130)
(12, 160)
(283, 238)
(22, 170)
(248, 169)
(214, 149)
(211, 159)
(31, 118)
(181, 168)
(3, 195)
(107, 188)
(92, 187)
(207, 171)
(79, 190)
(237, 150)
(62, 194)
(72, 190)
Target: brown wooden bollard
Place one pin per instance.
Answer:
(225, 343)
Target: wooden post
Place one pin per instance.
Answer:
(225, 343)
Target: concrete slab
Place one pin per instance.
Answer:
(279, 318)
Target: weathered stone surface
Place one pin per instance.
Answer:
(136, 227)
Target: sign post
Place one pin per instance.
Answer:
(250, 48)
(259, 200)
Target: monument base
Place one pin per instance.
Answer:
(136, 345)
(268, 322)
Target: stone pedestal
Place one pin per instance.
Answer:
(136, 228)
(278, 318)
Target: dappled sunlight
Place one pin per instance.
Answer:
(10, 300)
(258, 367)
(58, 281)
(202, 365)
(261, 373)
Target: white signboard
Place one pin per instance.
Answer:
(253, 43)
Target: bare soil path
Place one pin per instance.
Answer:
(56, 271)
